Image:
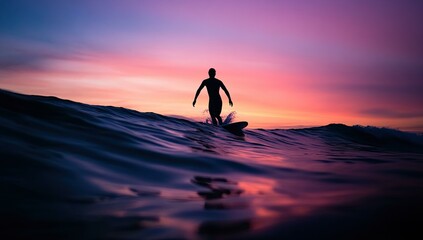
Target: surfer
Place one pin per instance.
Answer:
(213, 86)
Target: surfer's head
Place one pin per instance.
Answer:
(212, 72)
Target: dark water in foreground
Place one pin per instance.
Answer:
(76, 171)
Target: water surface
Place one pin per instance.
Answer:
(76, 171)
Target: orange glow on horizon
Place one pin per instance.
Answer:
(172, 93)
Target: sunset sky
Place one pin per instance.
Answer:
(286, 63)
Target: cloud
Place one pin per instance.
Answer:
(29, 55)
(390, 113)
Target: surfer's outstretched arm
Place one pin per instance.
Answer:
(227, 94)
(198, 93)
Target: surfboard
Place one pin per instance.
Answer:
(236, 127)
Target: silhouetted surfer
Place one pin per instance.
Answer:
(213, 86)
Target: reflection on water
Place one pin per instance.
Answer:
(238, 205)
(225, 206)
(217, 207)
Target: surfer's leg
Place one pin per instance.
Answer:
(215, 108)
(220, 120)
(214, 120)
(219, 110)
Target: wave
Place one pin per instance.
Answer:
(59, 155)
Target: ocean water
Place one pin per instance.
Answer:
(75, 171)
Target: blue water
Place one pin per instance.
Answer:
(75, 171)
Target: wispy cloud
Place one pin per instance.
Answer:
(390, 113)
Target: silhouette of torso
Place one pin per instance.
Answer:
(215, 101)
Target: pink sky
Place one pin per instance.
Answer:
(285, 63)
